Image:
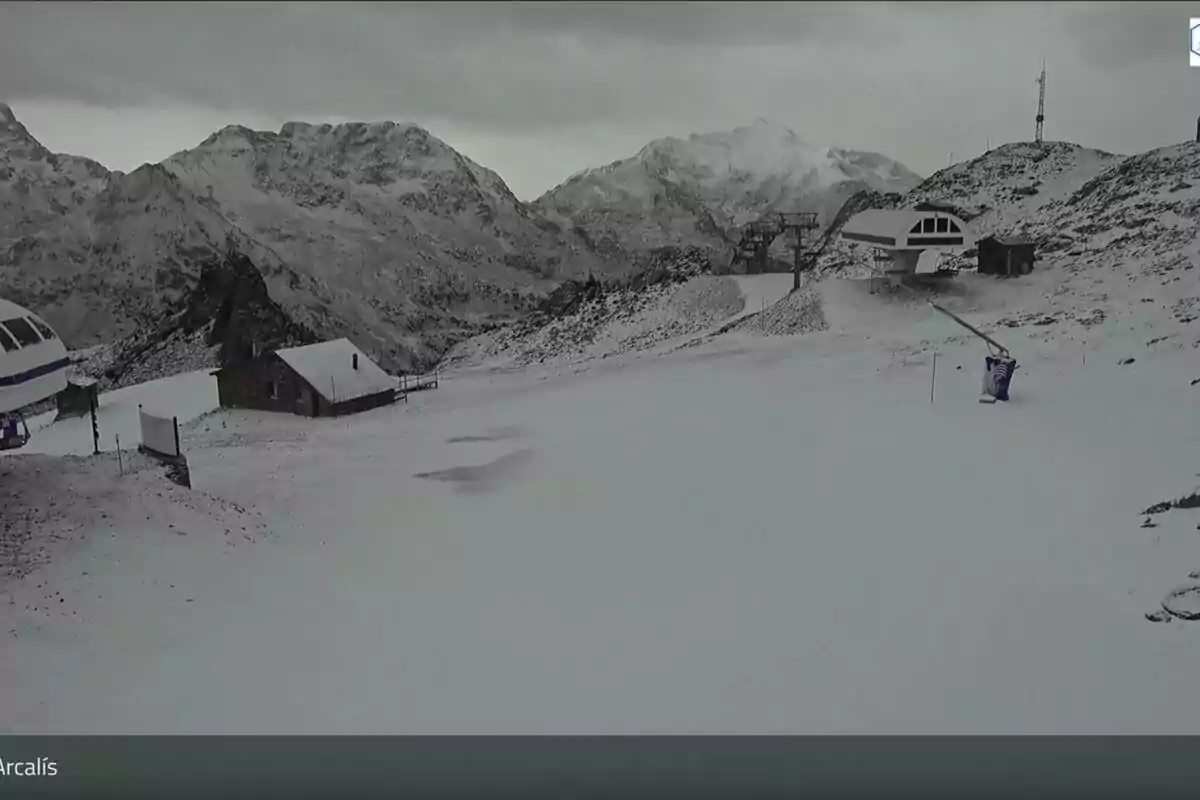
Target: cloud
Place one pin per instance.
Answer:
(540, 84)
(513, 66)
(1124, 35)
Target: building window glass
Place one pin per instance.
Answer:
(943, 225)
(954, 227)
(22, 331)
(42, 328)
(927, 226)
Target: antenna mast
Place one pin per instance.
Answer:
(1041, 115)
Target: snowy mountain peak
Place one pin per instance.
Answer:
(761, 131)
(12, 132)
(696, 191)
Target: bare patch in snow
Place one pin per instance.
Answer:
(1183, 603)
(482, 477)
(494, 435)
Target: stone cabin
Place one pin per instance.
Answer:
(1006, 255)
(328, 379)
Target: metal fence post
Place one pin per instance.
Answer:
(92, 403)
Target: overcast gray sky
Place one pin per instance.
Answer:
(538, 91)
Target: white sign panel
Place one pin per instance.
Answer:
(158, 434)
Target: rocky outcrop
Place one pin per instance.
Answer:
(227, 313)
(375, 231)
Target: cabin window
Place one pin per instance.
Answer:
(45, 330)
(927, 225)
(916, 228)
(954, 227)
(22, 331)
(943, 225)
(6, 339)
(273, 389)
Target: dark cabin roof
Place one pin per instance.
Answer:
(80, 379)
(1011, 240)
(933, 205)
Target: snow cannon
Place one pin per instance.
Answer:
(998, 368)
(997, 376)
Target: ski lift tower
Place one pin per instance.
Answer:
(1041, 115)
(757, 237)
(797, 224)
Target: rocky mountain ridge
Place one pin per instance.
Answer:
(379, 232)
(1116, 239)
(699, 191)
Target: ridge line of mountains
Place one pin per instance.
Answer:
(385, 234)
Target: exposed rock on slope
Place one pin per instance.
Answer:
(100, 254)
(1146, 207)
(380, 232)
(673, 295)
(1013, 182)
(416, 242)
(216, 322)
(697, 191)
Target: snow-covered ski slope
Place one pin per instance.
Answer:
(616, 523)
(755, 535)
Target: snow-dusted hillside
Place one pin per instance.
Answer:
(1118, 248)
(101, 254)
(379, 231)
(675, 302)
(37, 185)
(1146, 207)
(1013, 182)
(415, 241)
(698, 190)
(1116, 239)
(1012, 186)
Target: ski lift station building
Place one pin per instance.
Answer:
(907, 234)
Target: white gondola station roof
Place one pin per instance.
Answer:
(908, 229)
(9, 309)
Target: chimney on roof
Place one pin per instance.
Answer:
(356, 360)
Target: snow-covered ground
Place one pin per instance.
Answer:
(763, 290)
(185, 396)
(752, 535)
